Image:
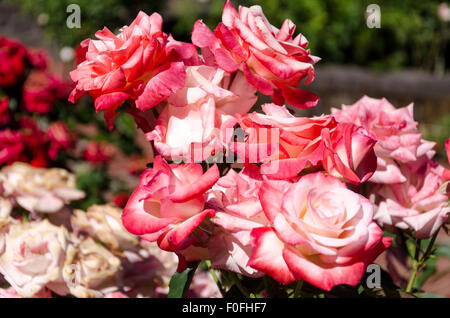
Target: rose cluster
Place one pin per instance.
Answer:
(29, 91)
(258, 193)
(47, 248)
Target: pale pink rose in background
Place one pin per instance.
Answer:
(44, 190)
(272, 60)
(5, 208)
(149, 274)
(398, 140)
(141, 63)
(33, 257)
(90, 270)
(189, 126)
(320, 232)
(169, 203)
(349, 153)
(285, 144)
(238, 211)
(203, 286)
(420, 202)
(103, 223)
(11, 293)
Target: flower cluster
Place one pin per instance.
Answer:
(251, 193)
(83, 254)
(28, 90)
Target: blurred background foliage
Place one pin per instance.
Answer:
(411, 33)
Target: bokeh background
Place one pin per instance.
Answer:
(406, 60)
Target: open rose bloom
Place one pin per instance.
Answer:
(241, 191)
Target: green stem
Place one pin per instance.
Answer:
(412, 279)
(419, 262)
(240, 286)
(216, 279)
(298, 289)
(427, 253)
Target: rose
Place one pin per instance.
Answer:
(189, 127)
(238, 211)
(284, 143)
(97, 152)
(11, 146)
(5, 208)
(321, 232)
(272, 61)
(399, 141)
(169, 203)
(39, 189)
(349, 153)
(35, 141)
(141, 63)
(4, 111)
(13, 62)
(60, 139)
(149, 275)
(103, 223)
(90, 269)
(420, 202)
(33, 257)
(42, 90)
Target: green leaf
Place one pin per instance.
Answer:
(180, 282)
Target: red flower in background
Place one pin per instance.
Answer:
(60, 139)
(13, 62)
(96, 152)
(4, 111)
(121, 199)
(11, 146)
(35, 141)
(42, 90)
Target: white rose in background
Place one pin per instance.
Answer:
(90, 269)
(32, 256)
(39, 189)
(103, 222)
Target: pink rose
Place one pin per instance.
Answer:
(238, 211)
(169, 203)
(141, 63)
(420, 202)
(33, 257)
(349, 153)
(399, 141)
(284, 143)
(189, 127)
(320, 232)
(272, 61)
